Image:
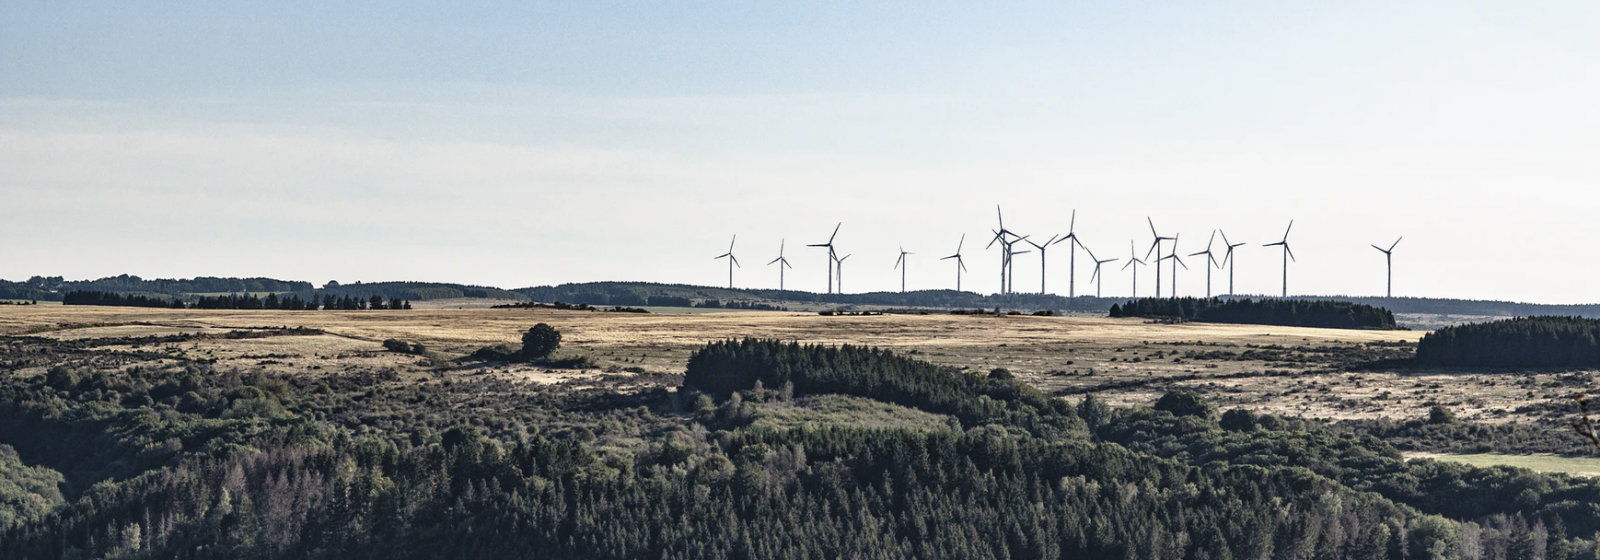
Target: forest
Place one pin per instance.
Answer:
(1284, 312)
(113, 451)
(287, 302)
(1526, 342)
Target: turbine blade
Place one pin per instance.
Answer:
(1286, 230)
(1396, 242)
(835, 232)
(774, 260)
(1224, 237)
(961, 243)
(1152, 227)
(1073, 225)
(1380, 249)
(1286, 249)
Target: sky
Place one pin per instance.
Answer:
(528, 143)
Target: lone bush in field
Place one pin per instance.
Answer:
(1183, 402)
(540, 341)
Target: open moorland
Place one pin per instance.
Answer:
(1313, 373)
(444, 432)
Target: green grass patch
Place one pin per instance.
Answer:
(1540, 463)
(845, 410)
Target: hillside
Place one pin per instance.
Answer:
(634, 293)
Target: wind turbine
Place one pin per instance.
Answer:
(839, 268)
(901, 264)
(1175, 262)
(1072, 260)
(960, 266)
(732, 261)
(781, 262)
(831, 255)
(1011, 277)
(1228, 260)
(1388, 257)
(1133, 261)
(1041, 249)
(1004, 237)
(1096, 277)
(1287, 256)
(1156, 248)
(1212, 261)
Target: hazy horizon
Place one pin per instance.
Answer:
(513, 146)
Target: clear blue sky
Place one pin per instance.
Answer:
(514, 144)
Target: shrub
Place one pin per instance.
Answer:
(540, 341)
(1238, 420)
(1183, 402)
(1440, 415)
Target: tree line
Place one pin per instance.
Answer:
(287, 302)
(1538, 342)
(1284, 312)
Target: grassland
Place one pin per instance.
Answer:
(1282, 370)
(1580, 466)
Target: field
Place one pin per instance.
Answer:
(1282, 370)
(1580, 466)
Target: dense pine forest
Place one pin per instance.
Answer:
(1285, 312)
(1538, 342)
(114, 450)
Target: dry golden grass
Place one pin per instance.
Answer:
(1054, 353)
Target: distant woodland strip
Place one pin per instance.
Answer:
(1284, 312)
(1540, 342)
(288, 302)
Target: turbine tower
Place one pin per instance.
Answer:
(1133, 261)
(1041, 249)
(1175, 262)
(1072, 259)
(781, 262)
(1211, 261)
(1156, 248)
(1096, 277)
(831, 255)
(1388, 257)
(732, 261)
(960, 266)
(1010, 277)
(901, 264)
(1005, 238)
(838, 266)
(1287, 256)
(1228, 260)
